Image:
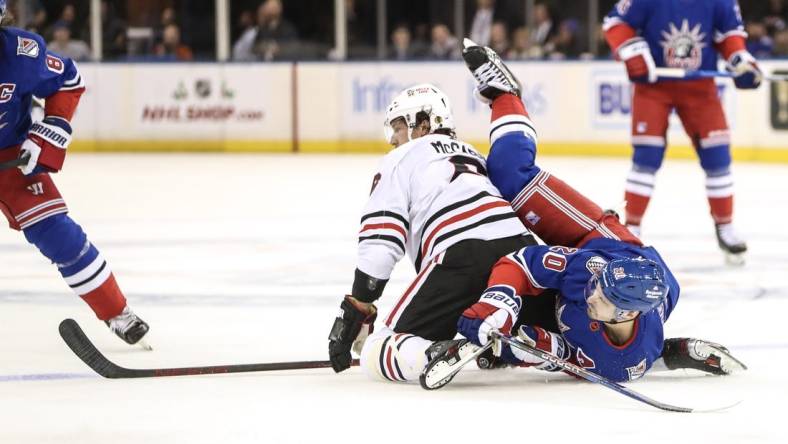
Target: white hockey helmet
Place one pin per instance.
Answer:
(422, 97)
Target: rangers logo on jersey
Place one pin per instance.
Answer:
(595, 265)
(683, 47)
(27, 47)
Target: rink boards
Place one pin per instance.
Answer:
(580, 108)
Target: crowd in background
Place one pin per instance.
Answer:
(270, 30)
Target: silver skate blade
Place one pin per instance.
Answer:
(734, 260)
(467, 43)
(143, 344)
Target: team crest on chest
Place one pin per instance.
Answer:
(595, 264)
(27, 47)
(683, 47)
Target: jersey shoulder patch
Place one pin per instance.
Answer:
(27, 47)
(55, 64)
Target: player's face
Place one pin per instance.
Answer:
(599, 307)
(400, 135)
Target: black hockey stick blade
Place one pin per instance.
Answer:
(14, 163)
(80, 344)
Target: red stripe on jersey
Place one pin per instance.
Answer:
(384, 226)
(509, 272)
(619, 34)
(730, 45)
(63, 103)
(507, 104)
(462, 216)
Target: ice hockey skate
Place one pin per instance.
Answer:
(492, 76)
(129, 327)
(731, 244)
(700, 355)
(446, 358)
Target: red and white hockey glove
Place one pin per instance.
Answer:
(544, 340)
(636, 55)
(747, 74)
(46, 145)
(497, 309)
(350, 330)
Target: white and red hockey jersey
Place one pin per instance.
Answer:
(429, 194)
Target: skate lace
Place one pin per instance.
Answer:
(489, 72)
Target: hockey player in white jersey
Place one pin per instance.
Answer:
(431, 199)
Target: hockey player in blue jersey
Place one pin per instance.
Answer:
(28, 196)
(686, 34)
(613, 293)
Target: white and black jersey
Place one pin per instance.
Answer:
(428, 195)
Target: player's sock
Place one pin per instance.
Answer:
(719, 190)
(509, 115)
(394, 356)
(638, 191)
(63, 242)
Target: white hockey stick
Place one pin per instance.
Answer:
(678, 73)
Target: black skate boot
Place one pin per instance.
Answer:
(444, 361)
(731, 244)
(129, 327)
(699, 355)
(492, 76)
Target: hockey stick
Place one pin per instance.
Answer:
(14, 163)
(678, 73)
(587, 375)
(80, 344)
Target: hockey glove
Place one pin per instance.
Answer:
(542, 339)
(353, 325)
(46, 146)
(700, 355)
(747, 74)
(637, 57)
(497, 309)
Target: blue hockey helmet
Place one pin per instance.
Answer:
(633, 284)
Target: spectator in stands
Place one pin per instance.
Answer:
(444, 45)
(272, 38)
(780, 48)
(776, 15)
(39, 21)
(167, 18)
(521, 48)
(67, 18)
(171, 47)
(543, 26)
(482, 22)
(63, 44)
(565, 44)
(499, 38)
(758, 41)
(402, 46)
(113, 31)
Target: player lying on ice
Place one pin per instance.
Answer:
(424, 320)
(612, 294)
(28, 196)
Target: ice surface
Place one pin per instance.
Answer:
(244, 258)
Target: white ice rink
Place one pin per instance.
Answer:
(241, 259)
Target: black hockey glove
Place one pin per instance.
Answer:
(700, 355)
(353, 316)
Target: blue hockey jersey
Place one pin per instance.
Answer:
(28, 70)
(680, 33)
(569, 270)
